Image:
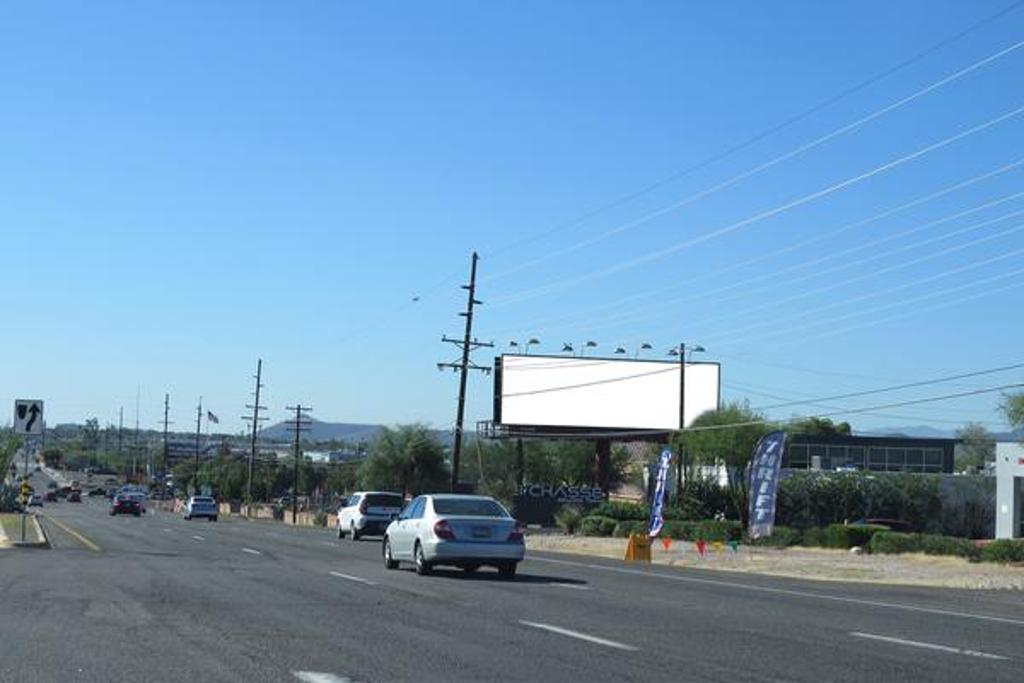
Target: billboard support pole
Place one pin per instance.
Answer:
(682, 420)
(602, 463)
(520, 465)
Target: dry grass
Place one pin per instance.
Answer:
(806, 563)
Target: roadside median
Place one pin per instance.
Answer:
(10, 532)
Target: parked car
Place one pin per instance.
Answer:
(124, 504)
(456, 530)
(97, 493)
(368, 512)
(35, 500)
(75, 496)
(50, 497)
(201, 506)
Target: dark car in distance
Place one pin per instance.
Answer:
(75, 496)
(124, 504)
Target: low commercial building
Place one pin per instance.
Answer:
(831, 452)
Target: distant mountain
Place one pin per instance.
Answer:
(323, 431)
(926, 432)
(335, 431)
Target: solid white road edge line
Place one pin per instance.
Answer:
(199, 538)
(787, 591)
(928, 646)
(578, 635)
(354, 578)
(569, 585)
(318, 677)
(251, 551)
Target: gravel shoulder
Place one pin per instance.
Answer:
(805, 563)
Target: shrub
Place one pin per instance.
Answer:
(620, 511)
(568, 518)
(813, 537)
(894, 543)
(320, 519)
(715, 530)
(595, 525)
(782, 537)
(625, 528)
(1004, 550)
(891, 542)
(850, 535)
(949, 545)
(678, 530)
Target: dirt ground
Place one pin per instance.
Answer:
(805, 563)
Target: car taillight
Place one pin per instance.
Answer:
(443, 530)
(516, 535)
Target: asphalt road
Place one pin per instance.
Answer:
(160, 599)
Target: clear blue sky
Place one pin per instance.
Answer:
(187, 186)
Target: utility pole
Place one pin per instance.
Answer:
(463, 366)
(255, 419)
(300, 424)
(199, 428)
(167, 409)
(120, 440)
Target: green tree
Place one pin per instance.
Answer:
(726, 437)
(91, 434)
(818, 426)
(1013, 409)
(407, 458)
(978, 448)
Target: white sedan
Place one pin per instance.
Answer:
(455, 530)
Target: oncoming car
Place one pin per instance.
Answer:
(201, 506)
(454, 530)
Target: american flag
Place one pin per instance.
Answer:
(210, 417)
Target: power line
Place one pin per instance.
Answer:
(658, 311)
(931, 399)
(898, 387)
(931, 295)
(763, 166)
(708, 161)
(764, 256)
(870, 295)
(568, 283)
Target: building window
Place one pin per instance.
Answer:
(877, 461)
(855, 456)
(798, 458)
(933, 457)
(819, 453)
(896, 459)
(837, 456)
(915, 460)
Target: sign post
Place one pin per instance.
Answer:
(28, 421)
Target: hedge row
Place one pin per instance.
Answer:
(708, 529)
(891, 542)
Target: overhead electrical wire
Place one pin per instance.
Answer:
(659, 309)
(863, 276)
(817, 142)
(707, 161)
(851, 411)
(537, 325)
(658, 254)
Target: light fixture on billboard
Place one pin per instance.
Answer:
(531, 342)
(619, 350)
(588, 345)
(643, 347)
(566, 347)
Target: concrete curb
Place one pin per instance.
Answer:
(44, 543)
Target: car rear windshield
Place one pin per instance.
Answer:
(463, 506)
(385, 500)
(202, 500)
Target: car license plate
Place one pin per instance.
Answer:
(481, 532)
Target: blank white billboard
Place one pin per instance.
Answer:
(549, 391)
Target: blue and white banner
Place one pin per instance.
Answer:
(764, 483)
(658, 499)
